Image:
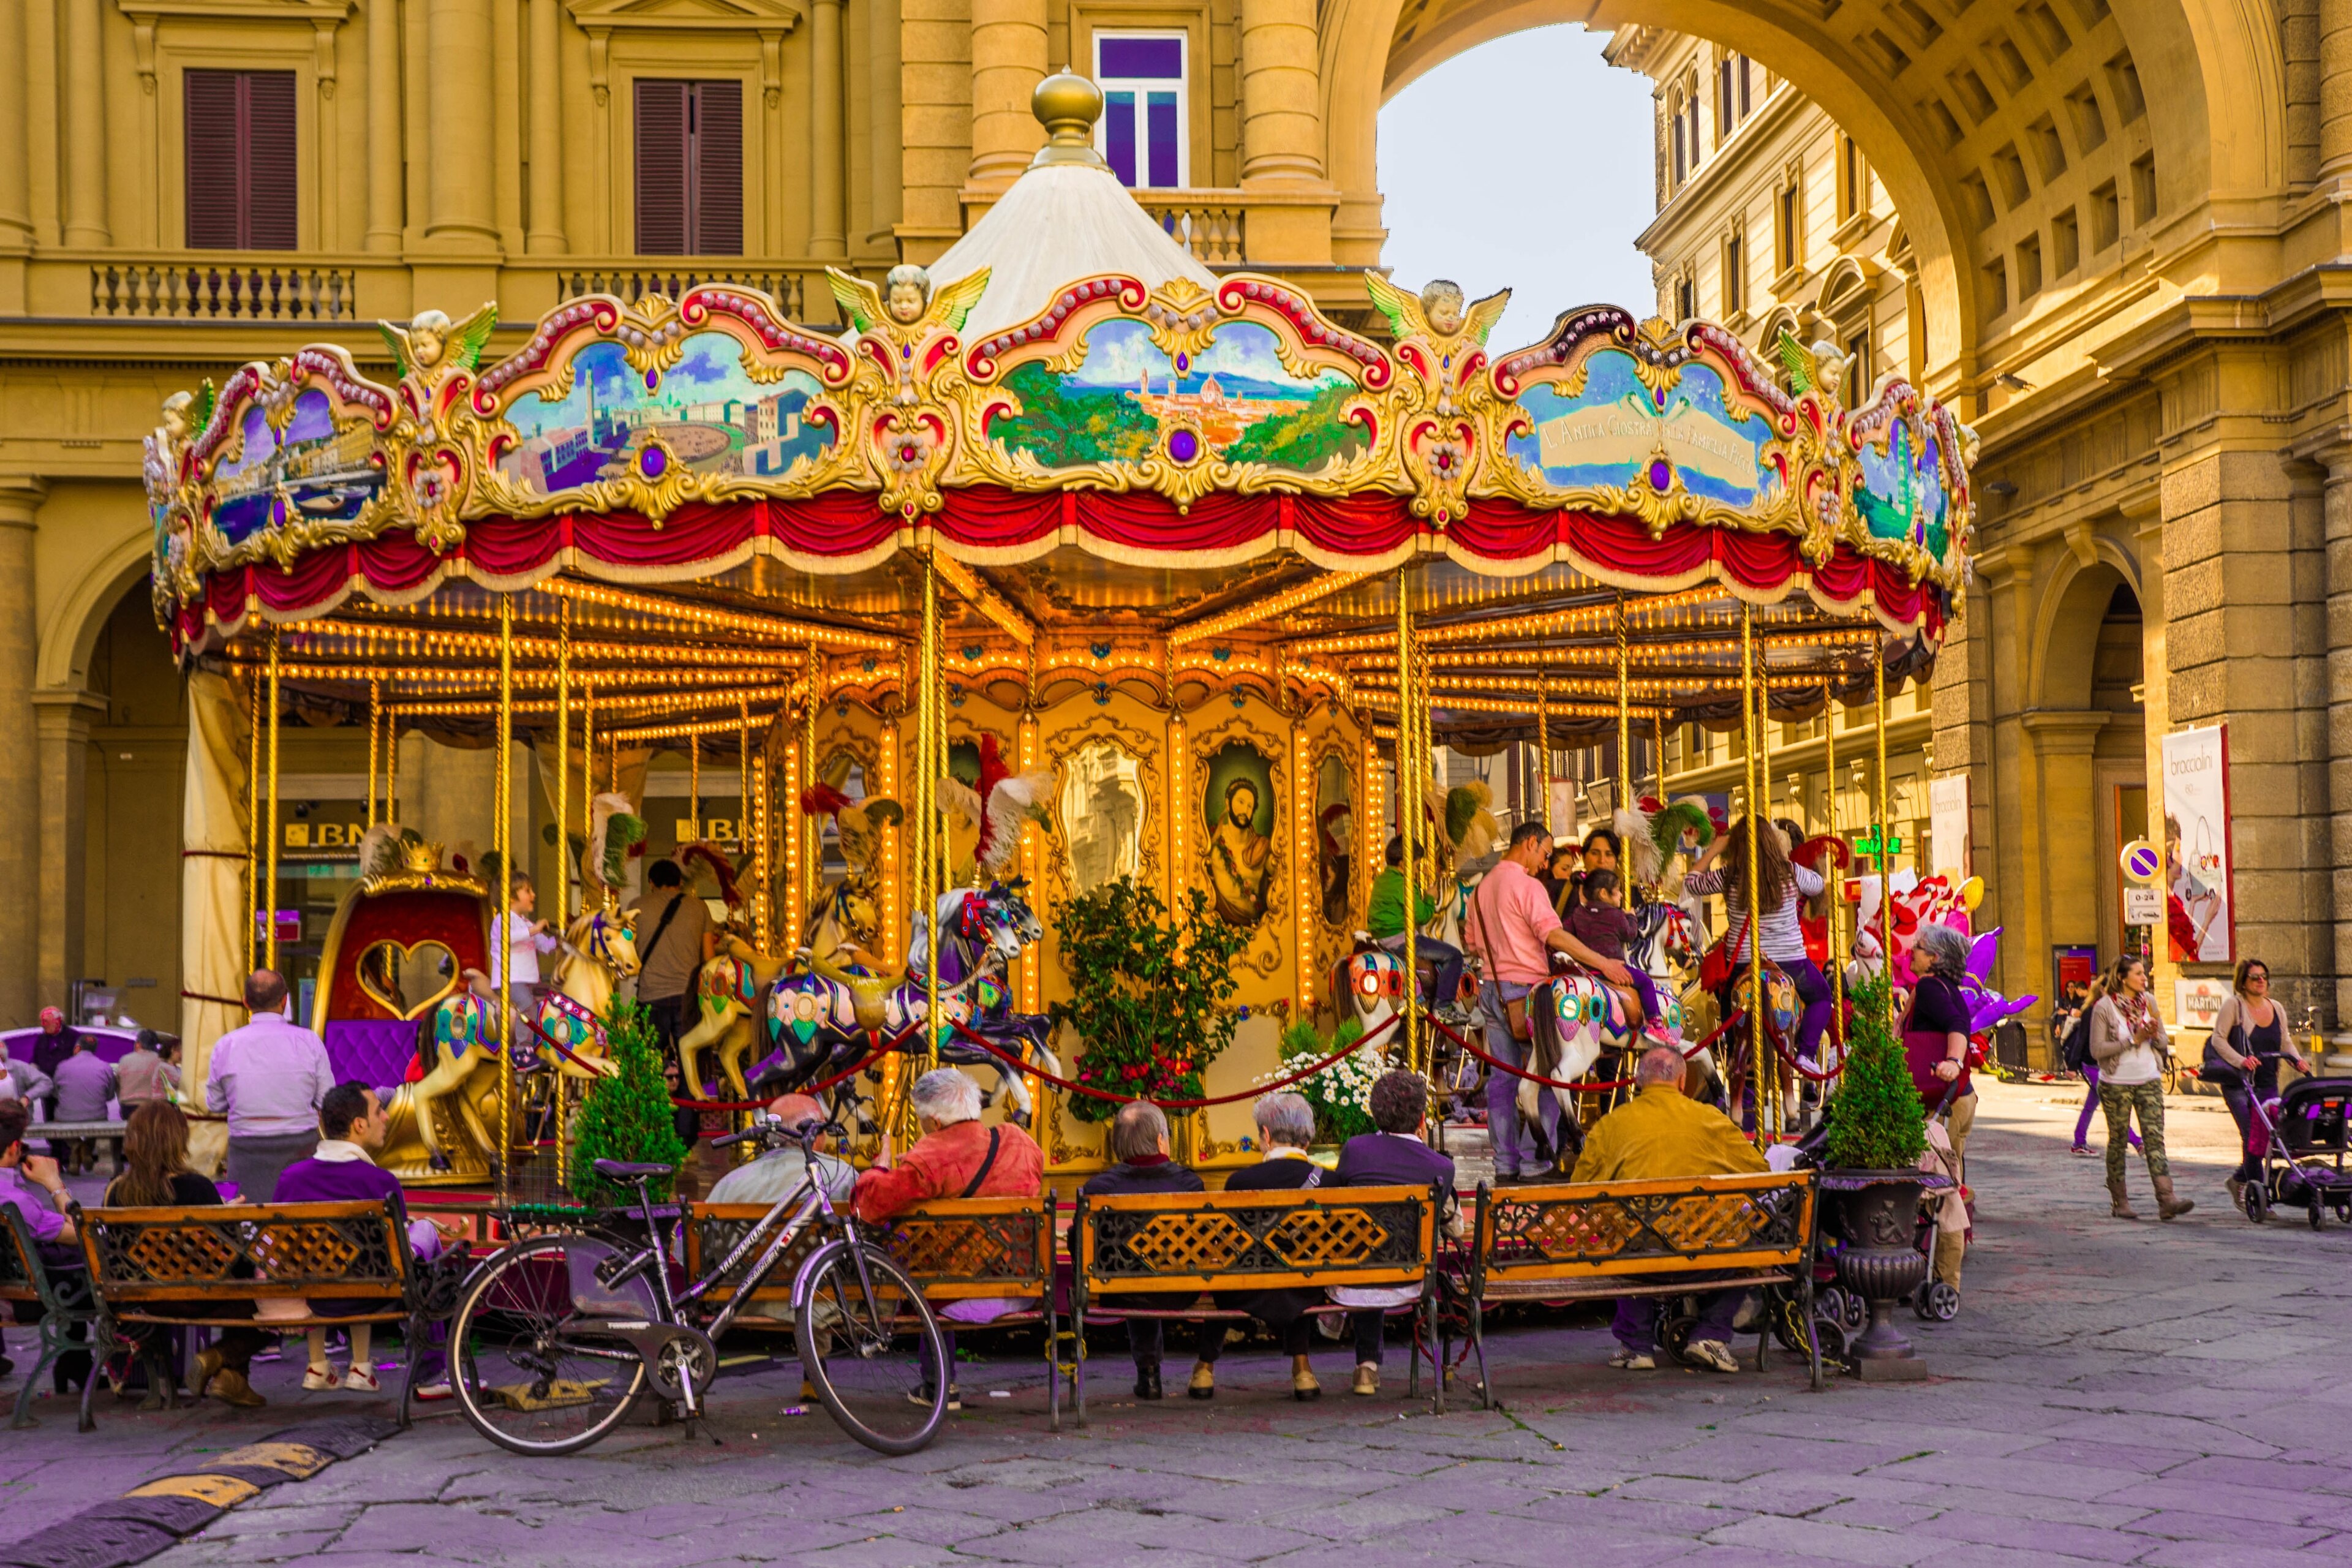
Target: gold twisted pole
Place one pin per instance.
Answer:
(1409, 787)
(587, 781)
(1772, 1071)
(812, 828)
(375, 721)
(694, 782)
(253, 788)
(1624, 711)
(563, 799)
(1756, 825)
(502, 832)
(1885, 860)
(270, 902)
(1837, 900)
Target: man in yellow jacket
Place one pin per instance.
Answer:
(1660, 1133)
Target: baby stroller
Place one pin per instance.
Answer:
(2300, 1140)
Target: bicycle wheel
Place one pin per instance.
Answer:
(525, 1379)
(872, 1348)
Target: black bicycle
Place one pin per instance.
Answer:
(556, 1337)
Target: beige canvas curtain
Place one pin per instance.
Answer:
(213, 907)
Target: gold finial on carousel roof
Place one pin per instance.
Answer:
(1067, 105)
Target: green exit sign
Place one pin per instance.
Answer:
(1867, 843)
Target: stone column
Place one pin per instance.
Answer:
(1282, 132)
(884, 101)
(1008, 61)
(20, 794)
(828, 226)
(460, 206)
(2334, 89)
(546, 238)
(15, 193)
(64, 719)
(85, 125)
(385, 174)
(2337, 504)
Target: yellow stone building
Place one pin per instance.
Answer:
(2113, 231)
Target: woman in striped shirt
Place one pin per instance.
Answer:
(1723, 869)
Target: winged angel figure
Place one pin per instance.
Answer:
(1439, 339)
(430, 341)
(895, 322)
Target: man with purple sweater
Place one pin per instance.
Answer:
(352, 1124)
(1395, 1156)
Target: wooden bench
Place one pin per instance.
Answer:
(1570, 1241)
(173, 1266)
(63, 1297)
(955, 1249)
(1197, 1243)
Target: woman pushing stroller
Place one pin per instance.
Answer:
(2242, 1059)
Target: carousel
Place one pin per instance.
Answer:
(1072, 610)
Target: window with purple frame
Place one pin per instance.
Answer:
(1142, 79)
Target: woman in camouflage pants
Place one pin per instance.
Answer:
(2129, 1043)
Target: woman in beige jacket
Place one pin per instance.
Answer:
(2129, 1043)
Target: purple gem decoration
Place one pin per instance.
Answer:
(653, 461)
(653, 380)
(1183, 364)
(1183, 446)
(1661, 476)
(277, 511)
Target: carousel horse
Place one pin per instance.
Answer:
(439, 1124)
(599, 953)
(1573, 1020)
(981, 932)
(731, 991)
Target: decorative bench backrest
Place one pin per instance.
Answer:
(968, 1248)
(347, 1251)
(713, 1230)
(1671, 1225)
(1228, 1241)
(22, 1273)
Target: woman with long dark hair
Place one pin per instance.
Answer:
(1783, 885)
(2241, 1057)
(155, 1175)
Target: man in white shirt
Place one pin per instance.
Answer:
(268, 1079)
(778, 1172)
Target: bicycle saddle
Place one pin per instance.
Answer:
(622, 1171)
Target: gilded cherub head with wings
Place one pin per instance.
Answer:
(912, 305)
(1439, 313)
(430, 340)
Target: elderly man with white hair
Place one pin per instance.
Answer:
(779, 1170)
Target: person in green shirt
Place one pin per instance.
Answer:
(1386, 920)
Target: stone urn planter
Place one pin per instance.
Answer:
(1877, 1217)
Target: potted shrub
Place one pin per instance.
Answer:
(626, 1115)
(1150, 993)
(1878, 1132)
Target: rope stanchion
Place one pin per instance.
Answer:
(1253, 1092)
(207, 996)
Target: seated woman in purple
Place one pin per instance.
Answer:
(1393, 1156)
(351, 1123)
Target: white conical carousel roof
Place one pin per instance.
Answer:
(1066, 217)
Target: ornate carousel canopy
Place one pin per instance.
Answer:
(1129, 473)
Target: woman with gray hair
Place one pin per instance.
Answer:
(1936, 1043)
(1285, 1125)
(1139, 1141)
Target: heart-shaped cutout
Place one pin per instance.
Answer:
(391, 973)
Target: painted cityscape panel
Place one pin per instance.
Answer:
(1615, 431)
(307, 470)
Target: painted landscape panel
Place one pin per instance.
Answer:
(1902, 492)
(1616, 431)
(308, 471)
(709, 414)
(1128, 399)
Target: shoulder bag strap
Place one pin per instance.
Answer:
(662, 924)
(995, 1141)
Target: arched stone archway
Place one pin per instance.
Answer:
(1982, 122)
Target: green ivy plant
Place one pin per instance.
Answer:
(1876, 1119)
(1150, 993)
(625, 1115)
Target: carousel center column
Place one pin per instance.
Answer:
(20, 854)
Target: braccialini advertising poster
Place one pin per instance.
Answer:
(2198, 905)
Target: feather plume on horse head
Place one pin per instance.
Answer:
(994, 811)
(1470, 825)
(1653, 837)
(1822, 851)
(381, 847)
(614, 830)
(722, 870)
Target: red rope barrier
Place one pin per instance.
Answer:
(883, 1049)
(1576, 1088)
(1253, 1092)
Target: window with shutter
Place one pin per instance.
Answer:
(240, 156)
(690, 168)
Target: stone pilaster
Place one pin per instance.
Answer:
(63, 720)
(828, 228)
(1282, 134)
(85, 117)
(20, 794)
(546, 236)
(1008, 61)
(15, 193)
(2335, 89)
(2338, 515)
(886, 105)
(461, 205)
(385, 169)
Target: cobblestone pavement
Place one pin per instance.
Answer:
(2173, 1395)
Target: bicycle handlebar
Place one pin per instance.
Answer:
(770, 1130)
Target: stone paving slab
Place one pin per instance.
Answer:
(2169, 1397)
